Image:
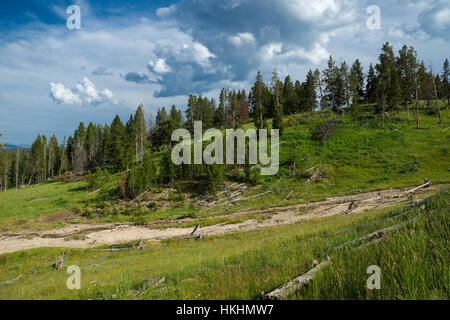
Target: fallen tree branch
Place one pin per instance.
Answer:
(255, 196)
(8, 282)
(287, 195)
(374, 235)
(426, 184)
(296, 284)
(139, 196)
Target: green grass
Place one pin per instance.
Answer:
(42, 200)
(414, 260)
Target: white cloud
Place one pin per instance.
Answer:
(85, 92)
(241, 39)
(163, 12)
(61, 94)
(159, 66)
(201, 54)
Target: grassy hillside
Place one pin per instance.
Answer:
(360, 155)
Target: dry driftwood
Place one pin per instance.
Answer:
(151, 283)
(374, 235)
(296, 284)
(351, 207)
(288, 195)
(231, 200)
(255, 196)
(426, 184)
(139, 196)
(124, 246)
(8, 282)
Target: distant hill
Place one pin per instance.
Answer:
(13, 146)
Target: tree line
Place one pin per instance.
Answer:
(395, 81)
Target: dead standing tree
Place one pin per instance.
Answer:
(436, 96)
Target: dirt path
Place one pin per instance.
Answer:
(95, 235)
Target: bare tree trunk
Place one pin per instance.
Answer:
(6, 175)
(417, 101)
(50, 160)
(407, 110)
(45, 161)
(137, 149)
(142, 130)
(261, 125)
(17, 168)
(142, 144)
(61, 167)
(436, 96)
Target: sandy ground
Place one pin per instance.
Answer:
(95, 235)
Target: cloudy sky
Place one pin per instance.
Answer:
(157, 52)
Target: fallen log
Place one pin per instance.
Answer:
(139, 196)
(288, 195)
(296, 284)
(8, 282)
(255, 196)
(374, 235)
(426, 184)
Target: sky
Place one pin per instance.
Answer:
(158, 52)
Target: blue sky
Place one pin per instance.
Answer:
(158, 52)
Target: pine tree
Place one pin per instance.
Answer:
(53, 156)
(116, 152)
(446, 82)
(371, 94)
(388, 77)
(219, 116)
(191, 112)
(319, 85)
(335, 91)
(37, 165)
(289, 97)
(310, 91)
(91, 146)
(2, 145)
(278, 107)
(63, 167)
(140, 134)
(345, 74)
(243, 113)
(357, 83)
(16, 166)
(256, 100)
(302, 99)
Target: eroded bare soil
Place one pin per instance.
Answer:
(89, 235)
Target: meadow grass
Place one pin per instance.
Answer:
(242, 265)
(42, 200)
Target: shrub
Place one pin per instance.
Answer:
(324, 130)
